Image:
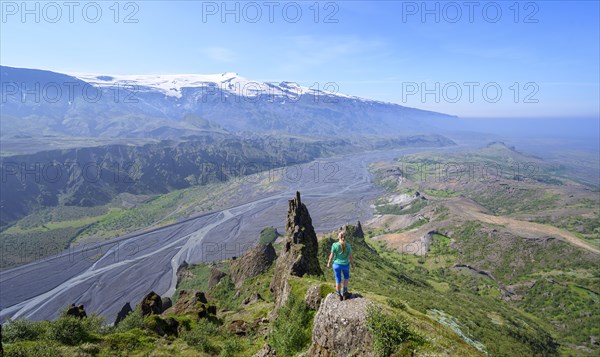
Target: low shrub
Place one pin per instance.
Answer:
(388, 332)
(396, 304)
(68, 330)
(231, 348)
(198, 336)
(291, 331)
(268, 235)
(131, 321)
(31, 348)
(125, 341)
(22, 330)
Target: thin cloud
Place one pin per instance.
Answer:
(511, 53)
(309, 51)
(219, 54)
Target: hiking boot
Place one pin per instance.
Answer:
(341, 297)
(347, 295)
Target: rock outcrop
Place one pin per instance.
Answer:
(183, 272)
(125, 310)
(299, 254)
(166, 303)
(192, 302)
(254, 262)
(162, 326)
(359, 230)
(340, 328)
(76, 311)
(187, 302)
(238, 327)
(301, 231)
(151, 304)
(215, 277)
(312, 299)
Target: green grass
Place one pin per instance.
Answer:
(427, 306)
(506, 201)
(25, 247)
(49, 231)
(268, 235)
(122, 221)
(587, 228)
(76, 223)
(399, 210)
(418, 223)
(292, 329)
(440, 193)
(389, 331)
(200, 273)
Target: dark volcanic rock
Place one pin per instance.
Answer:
(340, 328)
(205, 310)
(359, 231)
(301, 231)
(254, 262)
(76, 311)
(125, 310)
(151, 304)
(166, 303)
(299, 254)
(215, 276)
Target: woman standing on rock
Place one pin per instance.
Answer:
(341, 253)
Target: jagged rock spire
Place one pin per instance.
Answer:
(359, 230)
(299, 255)
(301, 231)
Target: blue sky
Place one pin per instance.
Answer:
(382, 50)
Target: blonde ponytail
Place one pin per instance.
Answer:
(342, 239)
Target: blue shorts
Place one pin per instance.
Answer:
(338, 269)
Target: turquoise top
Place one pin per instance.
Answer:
(339, 257)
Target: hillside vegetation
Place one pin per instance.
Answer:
(445, 269)
(526, 242)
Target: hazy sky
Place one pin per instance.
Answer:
(440, 56)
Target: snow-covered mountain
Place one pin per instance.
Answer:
(229, 82)
(38, 102)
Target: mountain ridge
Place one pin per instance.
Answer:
(38, 102)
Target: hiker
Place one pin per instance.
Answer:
(341, 253)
